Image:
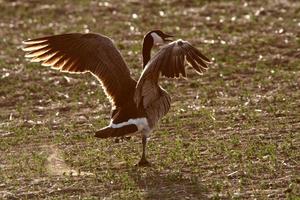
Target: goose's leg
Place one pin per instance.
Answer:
(144, 161)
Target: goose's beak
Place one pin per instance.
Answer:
(167, 38)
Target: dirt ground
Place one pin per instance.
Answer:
(233, 133)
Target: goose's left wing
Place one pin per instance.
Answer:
(81, 53)
(169, 62)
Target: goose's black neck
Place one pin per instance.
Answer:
(147, 46)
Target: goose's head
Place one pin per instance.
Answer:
(158, 37)
(153, 38)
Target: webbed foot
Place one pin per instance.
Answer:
(143, 163)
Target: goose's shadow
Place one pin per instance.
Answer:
(167, 185)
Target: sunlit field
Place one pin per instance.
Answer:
(231, 133)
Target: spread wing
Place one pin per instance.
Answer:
(169, 62)
(79, 53)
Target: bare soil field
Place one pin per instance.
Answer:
(233, 133)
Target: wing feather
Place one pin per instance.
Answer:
(79, 53)
(169, 62)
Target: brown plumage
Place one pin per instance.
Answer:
(168, 62)
(136, 106)
(78, 53)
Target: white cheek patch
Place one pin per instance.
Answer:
(157, 39)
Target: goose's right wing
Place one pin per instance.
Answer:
(78, 53)
(169, 62)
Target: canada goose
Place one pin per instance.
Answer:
(137, 106)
